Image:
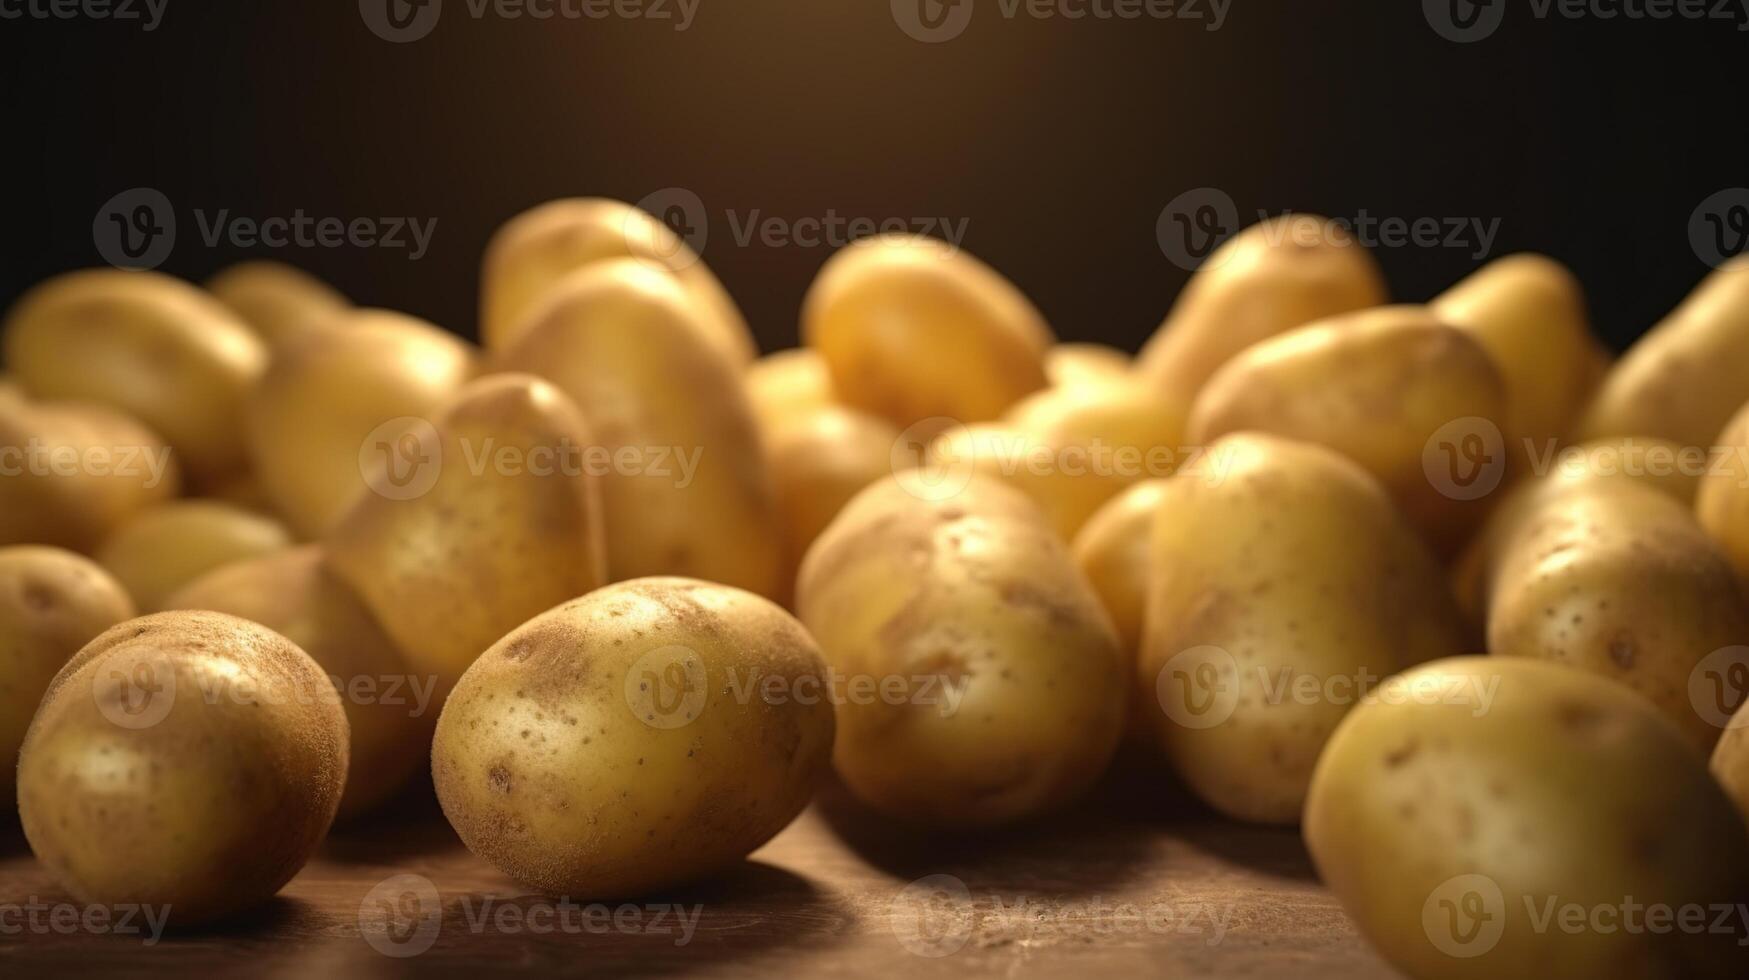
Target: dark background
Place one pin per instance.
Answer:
(1058, 141)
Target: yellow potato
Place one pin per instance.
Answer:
(10, 392)
(788, 383)
(647, 734)
(1070, 365)
(279, 302)
(1528, 312)
(1722, 502)
(52, 603)
(342, 396)
(155, 347)
(186, 759)
(72, 472)
(819, 460)
(489, 516)
(1388, 388)
(1730, 763)
(1112, 549)
(1270, 278)
(687, 491)
(170, 545)
(912, 329)
(1283, 589)
(540, 248)
(389, 709)
(984, 682)
(1619, 579)
(1684, 379)
(1496, 819)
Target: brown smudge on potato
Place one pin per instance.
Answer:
(1623, 650)
(498, 778)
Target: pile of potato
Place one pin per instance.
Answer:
(1266, 549)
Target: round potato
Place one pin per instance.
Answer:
(912, 329)
(786, 384)
(540, 248)
(389, 709)
(1072, 365)
(1112, 550)
(1283, 588)
(1730, 763)
(185, 759)
(52, 603)
(985, 683)
(341, 395)
(279, 302)
(171, 545)
(819, 460)
(153, 346)
(1504, 819)
(647, 734)
(1722, 500)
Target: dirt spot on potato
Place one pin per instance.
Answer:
(498, 778)
(1623, 651)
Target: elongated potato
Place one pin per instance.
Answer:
(1075, 364)
(911, 329)
(279, 302)
(1489, 818)
(1283, 588)
(342, 394)
(1380, 387)
(644, 735)
(687, 490)
(389, 710)
(819, 460)
(788, 383)
(162, 549)
(539, 248)
(1684, 379)
(478, 522)
(984, 683)
(1730, 762)
(186, 759)
(52, 603)
(1270, 278)
(1722, 502)
(73, 472)
(1618, 578)
(154, 347)
(1112, 549)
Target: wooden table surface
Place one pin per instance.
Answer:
(1138, 880)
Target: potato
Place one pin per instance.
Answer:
(645, 735)
(1072, 365)
(1528, 312)
(484, 519)
(279, 302)
(72, 472)
(1388, 388)
(984, 682)
(1283, 588)
(1682, 380)
(912, 328)
(52, 602)
(1112, 549)
(788, 383)
(342, 396)
(687, 490)
(1722, 500)
(1730, 763)
(1619, 579)
(154, 347)
(820, 459)
(389, 709)
(171, 545)
(185, 759)
(10, 392)
(1270, 278)
(539, 248)
(1496, 818)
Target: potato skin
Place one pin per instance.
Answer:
(1074, 364)
(1618, 578)
(971, 589)
(1722, 500)
(1112, 550)
(1273, 561)
(224, 754)
(819, 460)
(1559, 787)
(280, 302)
(546, 767)
(623, 340)
(326, 395)
(1376, 386)
(1730, 762)
(911, 329)
(167, 547)
(787, 383)
(153, 346)
(52, 603)
(294, 594)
